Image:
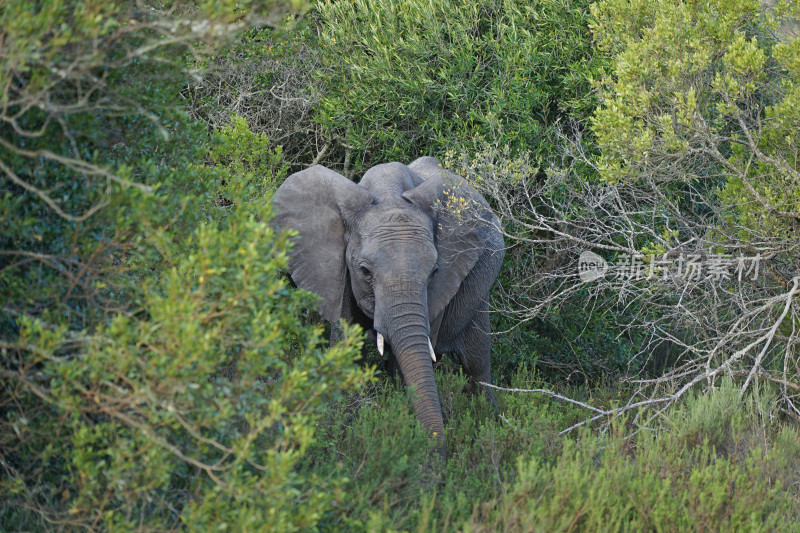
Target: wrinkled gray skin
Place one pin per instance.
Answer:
(391, 255)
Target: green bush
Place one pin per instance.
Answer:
(703, 90)
(268, 77)
(411, 78)
(663, 481)
(196, 407)
(717, 462)
(155, 368)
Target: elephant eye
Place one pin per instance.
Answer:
(364, 270)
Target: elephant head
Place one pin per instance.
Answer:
(390, 253)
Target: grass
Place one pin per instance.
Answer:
(714, 463)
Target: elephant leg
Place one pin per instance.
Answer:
(393, 367)
(351, 314)
(474, 353)
(337, 334)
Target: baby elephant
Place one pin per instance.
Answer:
(411, 253)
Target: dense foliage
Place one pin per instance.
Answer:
(700, 110)
(360, 83)
(158, 371)
(411, 78)
(716, 465)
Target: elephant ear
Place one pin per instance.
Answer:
(316, 203)
(464, 226)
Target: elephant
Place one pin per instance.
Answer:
(409, 253)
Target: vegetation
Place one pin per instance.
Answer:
(158, 372)
(496, 69)
(710, 468)
(688, 193)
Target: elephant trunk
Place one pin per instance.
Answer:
(407, 329)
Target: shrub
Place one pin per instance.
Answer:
(155, 369)
(659, 480)
(717, 462)
(194, 408)
(410, 78)
(268, 77)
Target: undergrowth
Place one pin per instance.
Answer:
(715, 463)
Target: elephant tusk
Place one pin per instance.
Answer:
(433, 354)
(380, 344)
